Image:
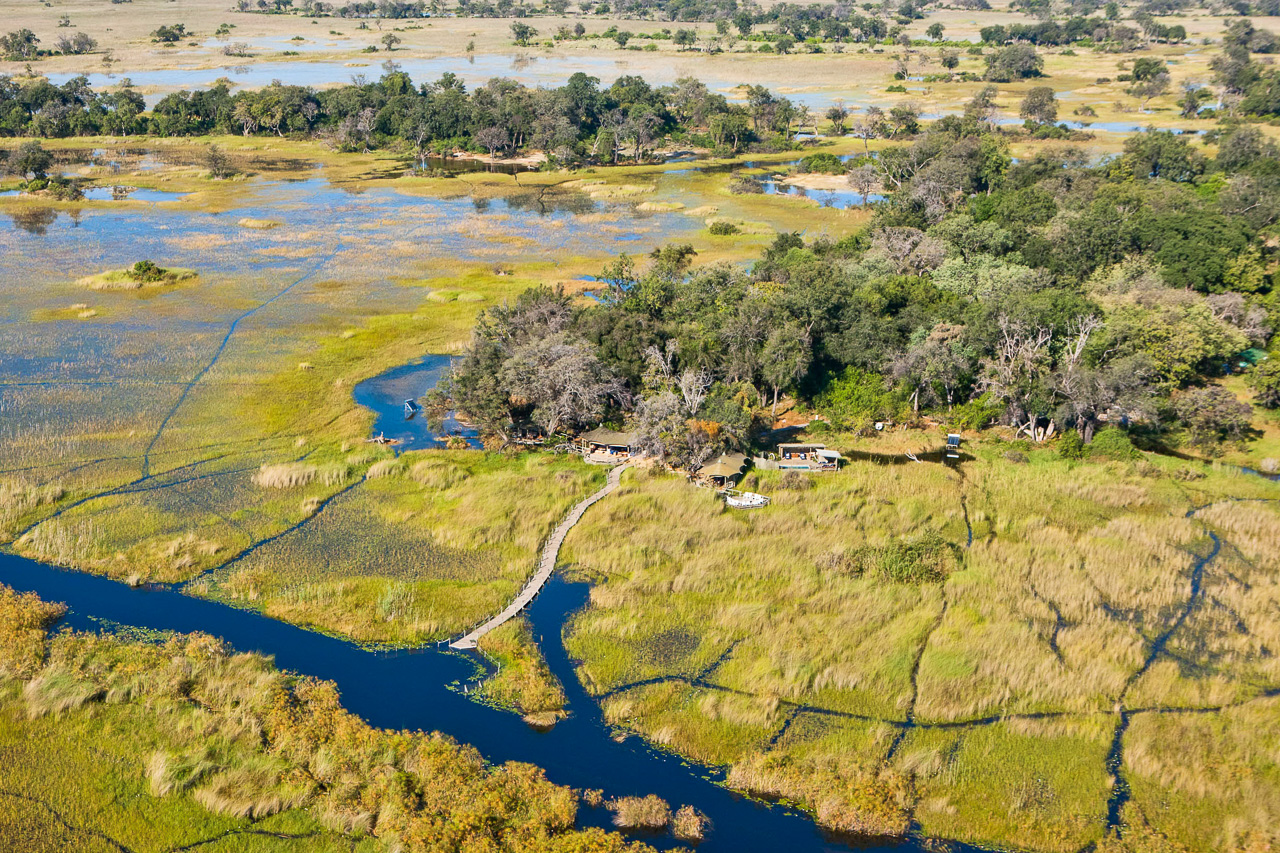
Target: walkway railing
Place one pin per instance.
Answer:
(546, 565)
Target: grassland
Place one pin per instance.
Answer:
(419, 550)
(1087, 602)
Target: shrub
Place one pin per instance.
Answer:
(795, 481)
(651, 812)
(927, 559)
(721, 228)
(147, 272)
(745, 185)
(822, 162)
(1071, 445)
(1112, 443)
(976, 414)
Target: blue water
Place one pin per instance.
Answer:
(840, 199)
(409, 690)
(107, 194)
(386, 394)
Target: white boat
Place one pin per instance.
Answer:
(745, 500)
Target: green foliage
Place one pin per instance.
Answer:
(978, 413)
(171, 33)
(1112, 443)
(1071, 445)
(1264, 379)
(856, 398)
(823, 162)
(1015, 62)
(1212, 414)
(927, 559)
(147, 272)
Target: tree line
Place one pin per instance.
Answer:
(1050, 295)
(578, 122)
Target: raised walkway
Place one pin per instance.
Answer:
(546, 566)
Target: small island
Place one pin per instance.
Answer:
(140, 275)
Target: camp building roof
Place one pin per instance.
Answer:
(609, 438)
(728, 465)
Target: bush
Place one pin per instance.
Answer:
(824, 163)
(795, 481)
(1112, 443)
(147, 272)
(976, 414)
(928, 559)
(721, 228)
(1071, 445)
(745, 185)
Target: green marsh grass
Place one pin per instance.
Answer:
(437, 541)
(1075, 571)
(523, 682)
(175, 741)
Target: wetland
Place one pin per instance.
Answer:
(274, 322)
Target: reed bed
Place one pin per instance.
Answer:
(1074, 574)
(523, 682)
(1207, 781)
(170, 742)
(434, 543)
(650, 812)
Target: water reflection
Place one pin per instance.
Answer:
(34, 220)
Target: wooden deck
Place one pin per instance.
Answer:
(546, 565)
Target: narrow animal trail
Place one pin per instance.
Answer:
(76, 831)
(910, 722)
(546, 566)
(1120, 790)
(222, 346)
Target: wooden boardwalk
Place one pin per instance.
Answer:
(546, 565)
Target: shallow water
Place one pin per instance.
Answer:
(387, 393)
(839, 199)
(409, 690)
(475, 70)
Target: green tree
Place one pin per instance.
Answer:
(934, 31)
(522, 32)
(1040, 105)
(1015, 62)
(1212, 414)
(1265, 382)
(785, 358)
(30, 160)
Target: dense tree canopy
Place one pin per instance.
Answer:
(1046, 291)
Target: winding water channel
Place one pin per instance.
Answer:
(411, 690)
(419, 689)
